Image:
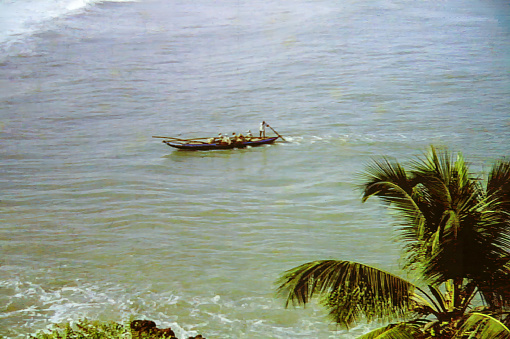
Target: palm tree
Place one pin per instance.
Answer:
(456, 237)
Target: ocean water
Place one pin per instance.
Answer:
(100, 220)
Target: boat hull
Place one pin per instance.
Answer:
(207, 146)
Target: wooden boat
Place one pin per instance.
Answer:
(201, 144)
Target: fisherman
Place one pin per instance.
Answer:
(240, 138)
(217, 139)
(226, 140)
(249, 135)
(262, 129)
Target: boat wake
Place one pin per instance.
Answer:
(361, 139)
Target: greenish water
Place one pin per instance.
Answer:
(100, 220)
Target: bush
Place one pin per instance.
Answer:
(85, 329)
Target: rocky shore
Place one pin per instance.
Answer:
(136, 329)
(145, 329)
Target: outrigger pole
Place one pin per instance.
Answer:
(157, 136)
(276, 132)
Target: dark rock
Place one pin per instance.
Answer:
(147, 329)
(142, 325)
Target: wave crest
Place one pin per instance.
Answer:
(20, 19)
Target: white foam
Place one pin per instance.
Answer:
(21, 18)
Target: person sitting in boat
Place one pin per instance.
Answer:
(226, 140)
(219, 139)
(249, 135)
(240, 138)
(214, 140)
(235, 138)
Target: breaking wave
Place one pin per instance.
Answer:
(19, 19)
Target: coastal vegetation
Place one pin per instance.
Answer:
(84, 328)
(454, 229)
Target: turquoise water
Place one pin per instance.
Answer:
(101, 220)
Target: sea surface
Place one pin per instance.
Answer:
(100, 220)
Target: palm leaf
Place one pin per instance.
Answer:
(388, 180)
(497, 204)
(441, 301)
(465, 240)
(487, 254)
(495, 290)
(394, 331)
(351, 291)
(482, 326)
(435, 172)
(450, 226)
(499, 180)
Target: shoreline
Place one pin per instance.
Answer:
(136, 329)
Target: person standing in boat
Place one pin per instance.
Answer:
(262, 129)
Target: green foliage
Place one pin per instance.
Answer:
(395, 331)
(456, 235)
(351, 291)
(86, 329)
(482, 326)
(452, 227)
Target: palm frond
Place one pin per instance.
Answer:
(446, 181)
(451, 226)
(351, 291)
(496, 206)
(456, 209)
(388, 180)
(495, 290)
(499, 180)
(435, 172)
(480, 325)
(394, 331)
(441, 301)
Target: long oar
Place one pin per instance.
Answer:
(276, 132)
(157, 136)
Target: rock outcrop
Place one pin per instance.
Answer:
(147, 329)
